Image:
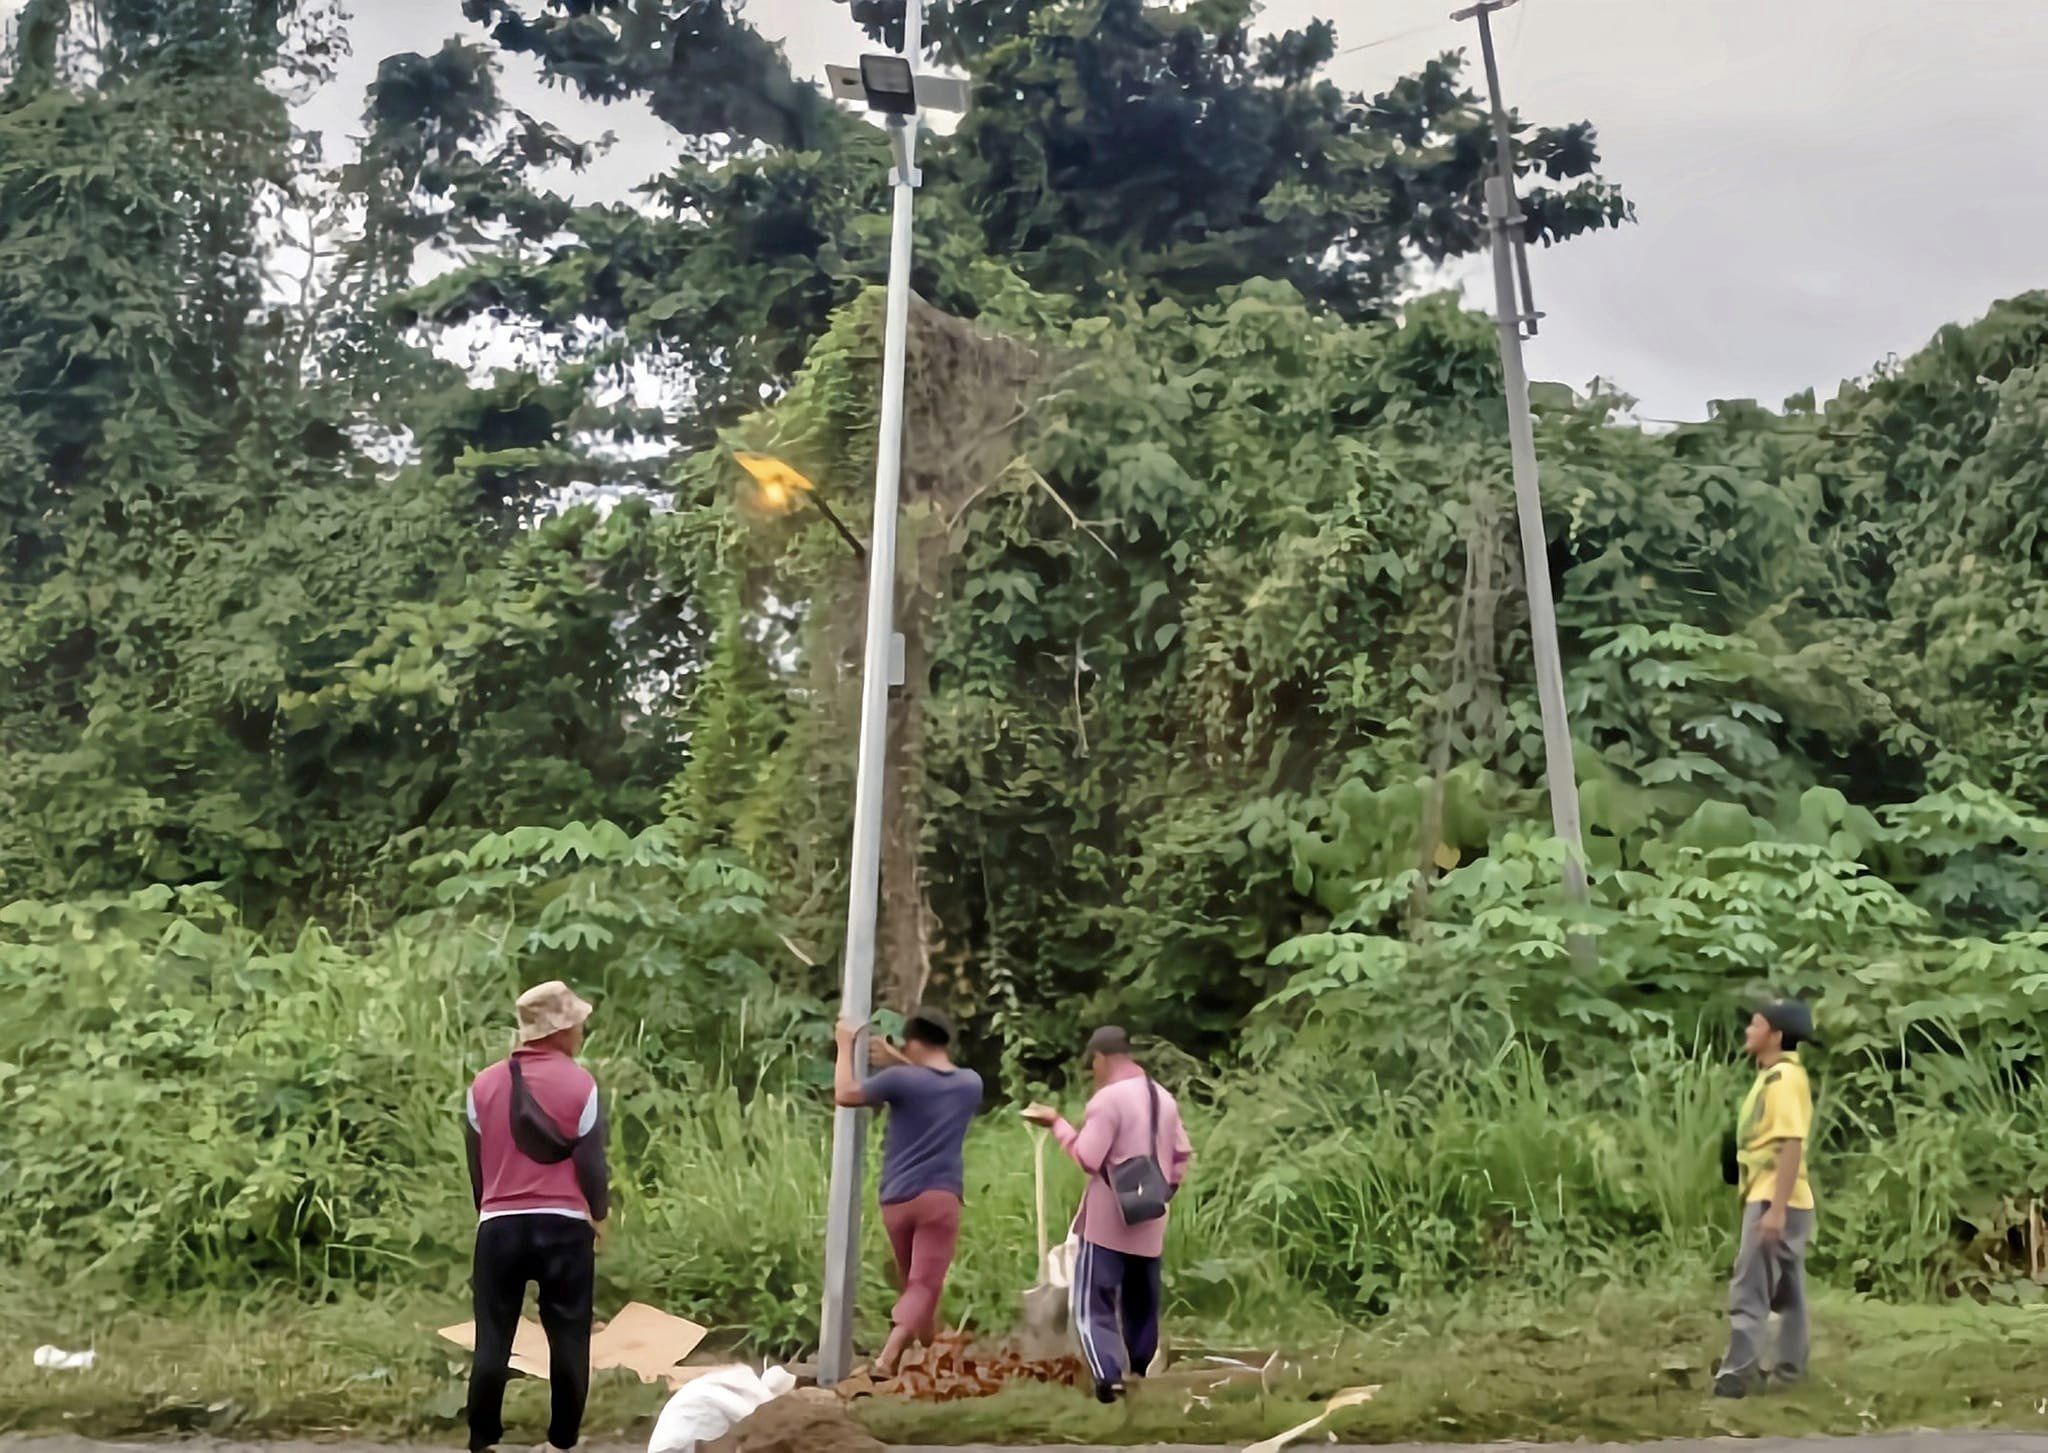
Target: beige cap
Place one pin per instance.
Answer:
(549, 1008)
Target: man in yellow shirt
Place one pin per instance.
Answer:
(1771, 1134)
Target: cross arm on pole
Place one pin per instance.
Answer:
(853, 541)
(1505, 214)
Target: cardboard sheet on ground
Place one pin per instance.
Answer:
(642, 1339)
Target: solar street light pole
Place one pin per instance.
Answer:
(878, 667)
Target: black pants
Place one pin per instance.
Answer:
(559, 1254)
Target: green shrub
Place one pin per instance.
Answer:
(192, 1110)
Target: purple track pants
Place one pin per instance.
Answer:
(1116, 1308)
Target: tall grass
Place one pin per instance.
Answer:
(190, 1113)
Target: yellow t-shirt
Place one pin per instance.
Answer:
(1779, 1107)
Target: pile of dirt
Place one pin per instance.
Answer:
(801, 1422)
(956, 1367)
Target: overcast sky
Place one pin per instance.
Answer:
(1819, 183)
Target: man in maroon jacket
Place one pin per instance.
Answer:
(536, 1138)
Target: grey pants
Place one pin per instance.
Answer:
(1769, 1277)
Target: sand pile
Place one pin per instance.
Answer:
(801, 1422)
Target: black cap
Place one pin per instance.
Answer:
(928, 1026)
(1110, 1039)
(1790, 1018)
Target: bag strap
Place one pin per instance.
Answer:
(534, 1130)
(1152, 1117)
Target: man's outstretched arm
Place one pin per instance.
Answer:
(1087, 1147)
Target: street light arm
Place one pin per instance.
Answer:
(853, 540)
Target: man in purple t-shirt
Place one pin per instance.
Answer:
(931, 1102)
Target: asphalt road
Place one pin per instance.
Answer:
(1896, 1443)
(1902, 1443)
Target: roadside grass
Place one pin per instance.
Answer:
(1614, 1360)
(1618, 1363)
(1510, 1252)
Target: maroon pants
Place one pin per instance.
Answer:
(923, 1231)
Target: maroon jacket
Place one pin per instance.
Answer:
(536, 1137)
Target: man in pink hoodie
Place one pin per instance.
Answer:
(1117, 1292)
(536, 1134)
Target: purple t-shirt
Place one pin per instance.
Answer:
(929, 1111)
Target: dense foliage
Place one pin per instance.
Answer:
(348, 686)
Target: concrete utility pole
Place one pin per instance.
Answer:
(891, 88)
(1513, 309)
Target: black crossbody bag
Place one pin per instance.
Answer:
(1139, 1183)
(534, 1130)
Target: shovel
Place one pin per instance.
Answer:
(1042, 1307)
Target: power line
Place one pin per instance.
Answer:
(1389, 39)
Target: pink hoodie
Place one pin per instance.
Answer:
(1117, 1127)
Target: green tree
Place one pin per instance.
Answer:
(1115, 150)
(240, 498)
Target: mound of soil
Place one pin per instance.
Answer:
(802, 1422)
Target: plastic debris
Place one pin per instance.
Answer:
(708, 1406)
(56, 1359)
